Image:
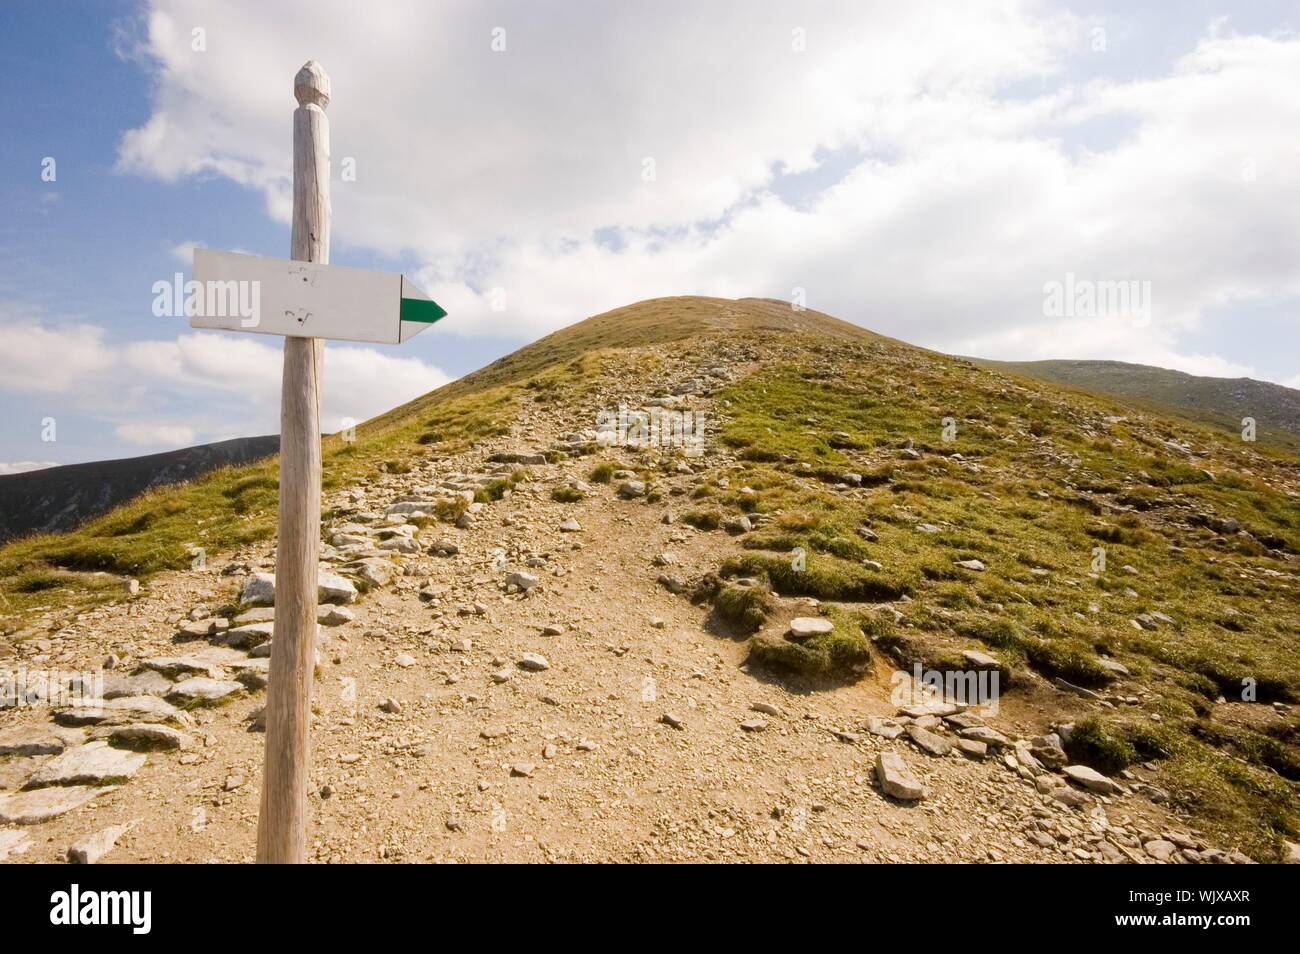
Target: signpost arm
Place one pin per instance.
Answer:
(282, 821)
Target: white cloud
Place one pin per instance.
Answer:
(183, 252)
(45, 359)
(160, 436)
(547, 139)
(361, 383)
(964, 201)
(195, 388)
(23, 466)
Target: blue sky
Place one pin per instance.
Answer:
(89, 246)
(920, 174)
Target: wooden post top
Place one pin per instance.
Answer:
(312, 85)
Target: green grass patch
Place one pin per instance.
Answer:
(842, 654)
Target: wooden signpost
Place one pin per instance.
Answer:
(306, 300)
(311, 300)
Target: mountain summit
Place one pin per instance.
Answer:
(702, 579)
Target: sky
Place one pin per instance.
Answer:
(937, 172)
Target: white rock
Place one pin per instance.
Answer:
(146, 735)
(89, 849)
(631, 488)
(259, 590)
(119, 712)
(896, 779)
(332, 588)
(399, 544)
(94, 763)
(29, 740)
(534, 662)
(30, 808)
(979, 660)
(200, 690)
(805, 627)
(1090, 779)
(246, 637)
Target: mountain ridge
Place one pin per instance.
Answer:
(858, 507)
(1222, 401)
(62, 497)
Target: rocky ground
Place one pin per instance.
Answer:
(524, 680)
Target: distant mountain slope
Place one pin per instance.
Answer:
(1223, 401)
(61, 498)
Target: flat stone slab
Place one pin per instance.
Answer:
(534, 662)
(963, 720)
(332, 588)
(257, 614)
(371, 571)
(885, 728)
(806, 627)
(928, 741)
(143, 735)
(1090, 779)
(95, 763)
(333, 615)
(30, 740)
(982, 733)
(147, 683)
(175, 667)
(1160, 849)
(196, 629)
(201, 691)
(979, 660)
(90, 848)
(222, 656)
(1113, 666)
(896, 779)
(972, 749)
(119, 711)
(940, 709)
(250, 635)
(30, 808)
(17, 769)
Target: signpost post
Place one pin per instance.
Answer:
(306, 300)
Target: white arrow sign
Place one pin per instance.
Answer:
(276, 296)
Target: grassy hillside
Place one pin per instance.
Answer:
(236, 505)
(58, 499)
(1219, 401)
(1036, 484)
